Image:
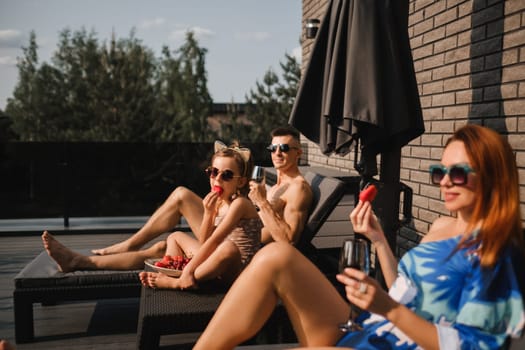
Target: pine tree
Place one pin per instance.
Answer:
(270, 104)
(22, 107)
(195, 99)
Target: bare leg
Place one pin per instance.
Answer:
(278, 271)
(177, 243)
(180, 243)
(225, 262)
(181, 202)
(69, 260)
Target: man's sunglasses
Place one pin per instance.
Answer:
(458, 173)
(227, 175)
(283, 147)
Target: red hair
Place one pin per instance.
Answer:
(497, 207)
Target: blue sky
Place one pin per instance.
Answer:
(244, 38)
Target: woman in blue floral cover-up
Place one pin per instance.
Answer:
(458, 289)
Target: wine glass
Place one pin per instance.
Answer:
(355, 253)
(258, 174)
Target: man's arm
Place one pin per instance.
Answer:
(288, 227)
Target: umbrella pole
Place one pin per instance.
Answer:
(387, 203)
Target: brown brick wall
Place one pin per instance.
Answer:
(469, 58)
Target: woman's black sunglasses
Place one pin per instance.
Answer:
(283, 147)
(227, 175)
(458, 173)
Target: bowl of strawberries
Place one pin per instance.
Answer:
(169, 265)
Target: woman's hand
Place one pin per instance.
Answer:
(365, 293)
(365, 222)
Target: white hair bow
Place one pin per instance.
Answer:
(244, 152)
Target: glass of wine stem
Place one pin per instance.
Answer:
(355, 253)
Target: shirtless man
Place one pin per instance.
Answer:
(283, 210)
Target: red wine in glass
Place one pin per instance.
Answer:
(355, 253)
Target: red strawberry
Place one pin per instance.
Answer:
(160, 264)
(217, 189)
(185, 262)
(368, 194)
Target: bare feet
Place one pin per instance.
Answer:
(158, 280)
(120, 247)
(65, 258)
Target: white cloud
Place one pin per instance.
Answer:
(257, 36)
(202, 33)
(199, 32)
(178, 35)
(11, 38)
(152, 23)
(7, 61)
(297, 52)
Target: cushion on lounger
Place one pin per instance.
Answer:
(43, 272)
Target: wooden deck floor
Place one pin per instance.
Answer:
(88, 325)
(102, 324)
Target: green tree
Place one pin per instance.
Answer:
(108, 94)
(116, 91)
(195, 100)
(270, 104)
(166, 125)
(22, 107)
(74, 58)
(236, 128)
(124, 92)
(184, 103)
(288, 90)
(48, 89)
(6, 128)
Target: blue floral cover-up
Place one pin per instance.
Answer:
(472, 307)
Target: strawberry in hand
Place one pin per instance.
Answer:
(217, 189)
(368, 194)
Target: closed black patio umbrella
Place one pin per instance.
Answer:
(360, 81)
(360, 87)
